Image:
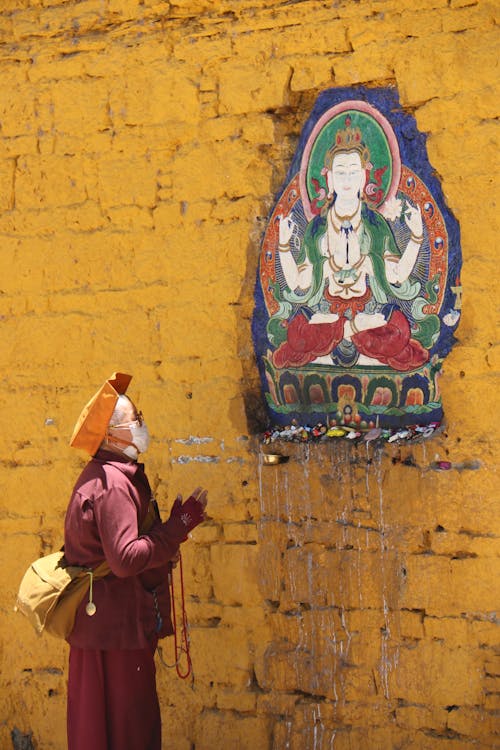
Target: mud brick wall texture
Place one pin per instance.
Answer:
(345, 599)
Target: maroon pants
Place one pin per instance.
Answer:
(112, 701)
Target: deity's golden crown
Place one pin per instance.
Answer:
(349, 139)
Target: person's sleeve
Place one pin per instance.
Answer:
(126, 552)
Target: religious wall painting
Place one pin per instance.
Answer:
(358, 291)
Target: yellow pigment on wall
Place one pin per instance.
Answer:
(345, 599)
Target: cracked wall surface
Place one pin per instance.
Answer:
(345, 599)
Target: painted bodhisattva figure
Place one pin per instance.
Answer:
(348, 260)
(358, 291)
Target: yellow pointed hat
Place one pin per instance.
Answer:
(92, 423)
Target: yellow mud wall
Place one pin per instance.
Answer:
(345, 599)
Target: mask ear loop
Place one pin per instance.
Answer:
(121, 441)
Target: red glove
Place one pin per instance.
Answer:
(192, 512)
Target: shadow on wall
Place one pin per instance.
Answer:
(288, 121)
(21, 741)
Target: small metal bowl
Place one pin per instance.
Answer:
(272, 459)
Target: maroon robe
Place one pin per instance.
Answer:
(112, 700)
(111, 684)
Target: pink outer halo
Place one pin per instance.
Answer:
(323, 120)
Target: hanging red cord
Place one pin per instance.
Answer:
(183, 647)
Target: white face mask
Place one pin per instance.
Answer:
(140, 437)
(131, 452)
(140, 440)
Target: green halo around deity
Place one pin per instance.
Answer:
(383, 156)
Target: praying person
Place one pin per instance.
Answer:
(112, 516)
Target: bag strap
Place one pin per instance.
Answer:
(152, 515)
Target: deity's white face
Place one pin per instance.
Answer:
(347, 176)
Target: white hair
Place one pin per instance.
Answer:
(121, 408)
